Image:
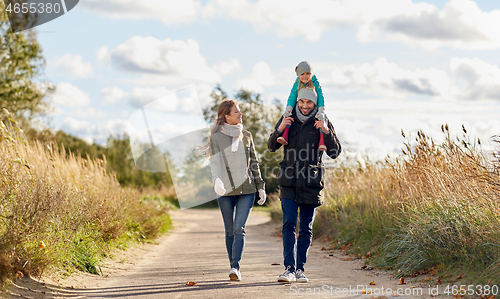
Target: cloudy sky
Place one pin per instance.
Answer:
(384, 65)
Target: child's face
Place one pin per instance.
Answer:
(305, 77)
(235, 116)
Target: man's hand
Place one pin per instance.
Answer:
(285, 122)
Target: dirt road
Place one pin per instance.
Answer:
(195, 251)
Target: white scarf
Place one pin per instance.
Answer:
(235, 131)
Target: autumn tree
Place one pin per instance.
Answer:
(21, 65)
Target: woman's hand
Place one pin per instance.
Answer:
(287, 121)
(323, 125)
(219, 187)
(262, 195)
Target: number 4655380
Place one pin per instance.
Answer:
(33, 8)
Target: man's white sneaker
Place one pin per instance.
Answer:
(234, 274)
(287, 276)
(300, 276)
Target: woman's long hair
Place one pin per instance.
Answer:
(223, 110)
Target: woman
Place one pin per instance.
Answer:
(236, 177)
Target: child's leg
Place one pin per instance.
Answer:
(321, 116)
(322, 145)
(283, 139)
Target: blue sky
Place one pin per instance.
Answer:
(384, 65)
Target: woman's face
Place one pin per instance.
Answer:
(305, 77)
(305, 106)
(235, 116)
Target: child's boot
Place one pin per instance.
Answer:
(283, 139)
(321, 116)
(322, 146)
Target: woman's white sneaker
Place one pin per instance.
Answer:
(234, 274)
(300, 276)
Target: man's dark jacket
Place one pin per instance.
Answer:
(301, 176)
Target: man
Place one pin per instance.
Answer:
(301, 179)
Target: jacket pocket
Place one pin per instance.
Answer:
(286, 175)
(315, 176)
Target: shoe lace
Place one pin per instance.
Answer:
(287, 271)
(300, 273)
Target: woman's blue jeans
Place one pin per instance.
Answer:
(295, 249)
(235, 211)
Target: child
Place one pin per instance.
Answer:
(304, 78)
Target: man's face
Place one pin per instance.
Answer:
(306, 106)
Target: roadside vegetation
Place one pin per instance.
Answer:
(61, 212)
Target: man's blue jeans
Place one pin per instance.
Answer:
(295, 250)
(235, 211)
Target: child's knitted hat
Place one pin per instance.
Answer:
(308, 93)
(303, 67)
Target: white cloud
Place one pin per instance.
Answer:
(378, 122)
(469, 79)
(261, 76)
(170, 12)
(293, 18)
(70, 96)
(177, 60)
(140, 96)
(250, 85)
(487, 129)
(103, 56)
(284, 17)
(74, 125)
(204, 94)
(72, 65)
(95, 132)
(54, 111)
(185, 99)
(383, 77)
(90, 113)
(475, 79)
(226, 67)
(355, 138)
(115, 127)
(460, 24)
(112, 95)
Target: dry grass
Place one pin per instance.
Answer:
(63, 212)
